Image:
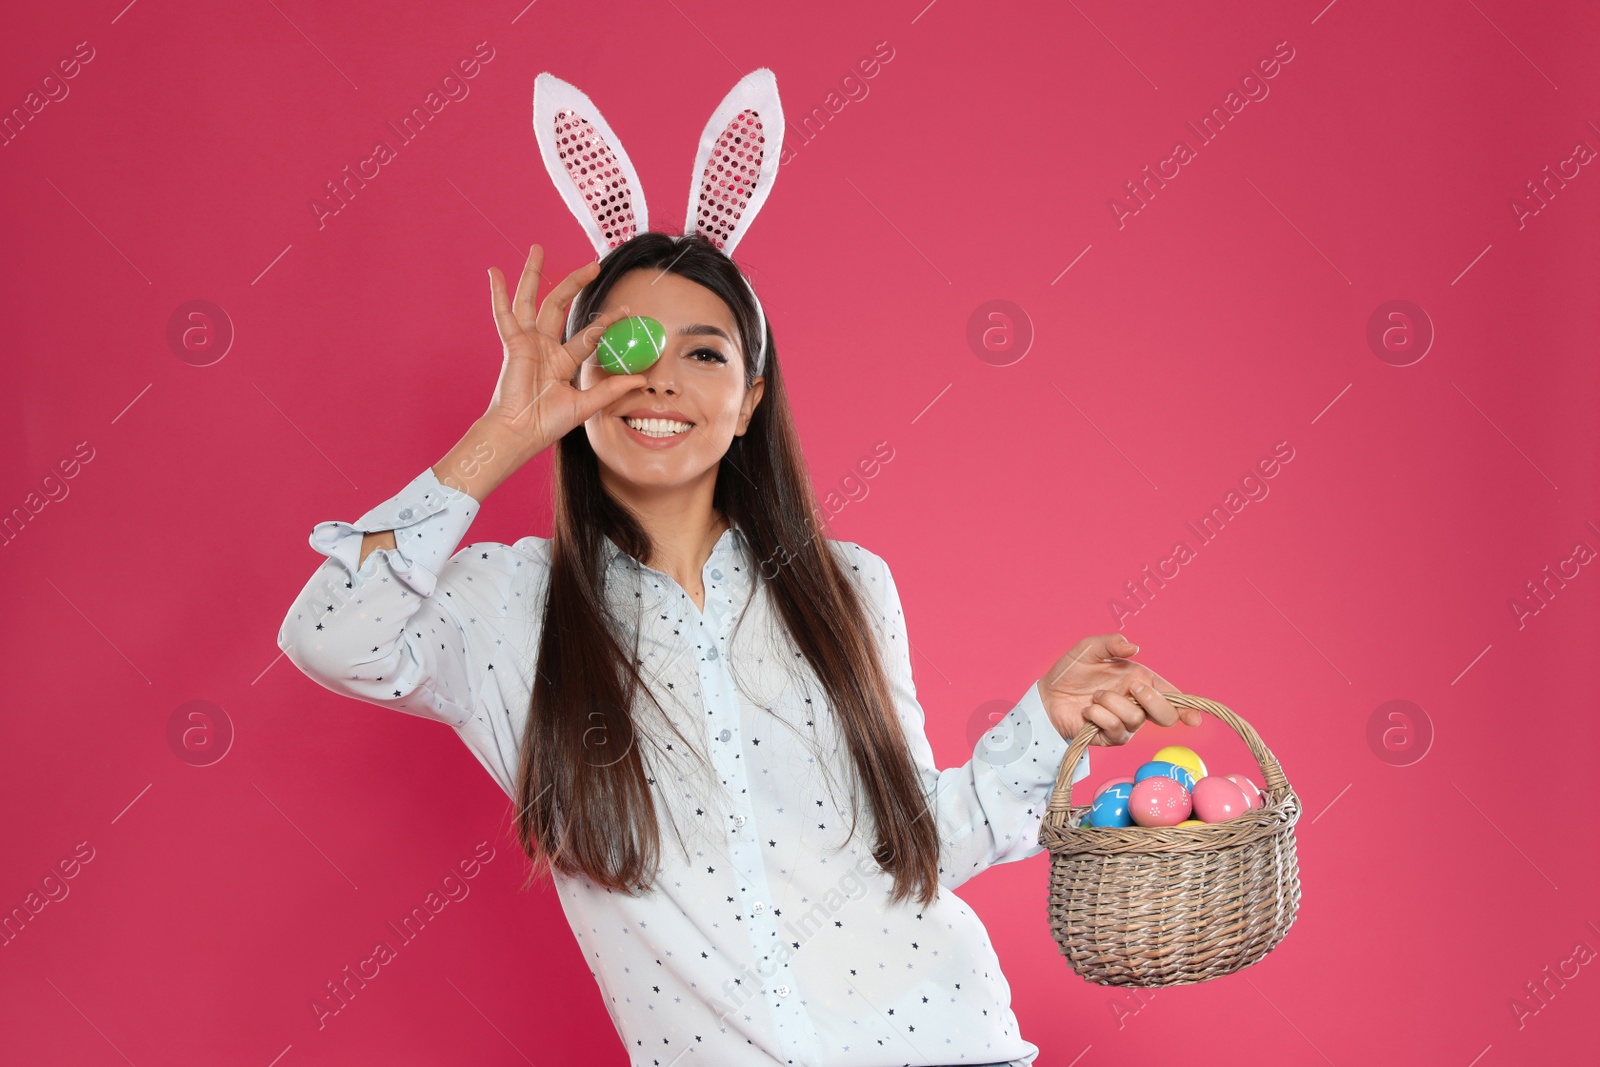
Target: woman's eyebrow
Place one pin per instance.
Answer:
(700, 329)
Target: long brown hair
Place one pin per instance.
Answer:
(579, 813)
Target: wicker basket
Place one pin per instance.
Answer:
(1164, 906)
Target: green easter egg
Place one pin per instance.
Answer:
(631, 345)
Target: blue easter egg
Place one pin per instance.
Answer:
(1163, 769)
(1111, 807)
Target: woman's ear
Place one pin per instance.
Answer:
(752, 397)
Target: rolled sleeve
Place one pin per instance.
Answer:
(1030, 718)
(374, 629)
(429, 520)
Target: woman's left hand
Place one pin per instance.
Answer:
(1096, 682)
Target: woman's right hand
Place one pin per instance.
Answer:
(536, 402)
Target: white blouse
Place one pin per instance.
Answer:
(761, 941)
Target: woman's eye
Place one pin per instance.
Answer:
(712, 352)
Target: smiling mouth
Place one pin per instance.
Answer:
(658, 427)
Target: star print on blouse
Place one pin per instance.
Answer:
(786, 951)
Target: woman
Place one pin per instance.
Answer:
(690, 652)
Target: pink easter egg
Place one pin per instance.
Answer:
(1217, 799)
(1159, 802)
(1252, 792)
(1112, 782)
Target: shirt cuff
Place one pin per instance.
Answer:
(428, 518)
(1053, 747)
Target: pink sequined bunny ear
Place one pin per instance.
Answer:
(737, 161)
(587, 163)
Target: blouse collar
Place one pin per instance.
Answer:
(733, 541)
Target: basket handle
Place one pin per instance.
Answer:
(1061, 796)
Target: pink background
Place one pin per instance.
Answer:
(1227, 315)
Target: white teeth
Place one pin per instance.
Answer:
(658, 427)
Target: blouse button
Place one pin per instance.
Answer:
(716, 573)
(711, 653)
(782, 991)
(724, 735)
(758, 907)
(406, 514)
(738, 820)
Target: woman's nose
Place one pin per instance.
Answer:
(659, 375)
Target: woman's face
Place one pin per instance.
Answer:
(698, 380)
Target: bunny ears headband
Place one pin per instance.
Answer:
(734, 169)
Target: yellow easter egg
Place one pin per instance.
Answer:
(1191, 822)
(1187, 758)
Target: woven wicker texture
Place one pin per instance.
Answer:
(1163, 906)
